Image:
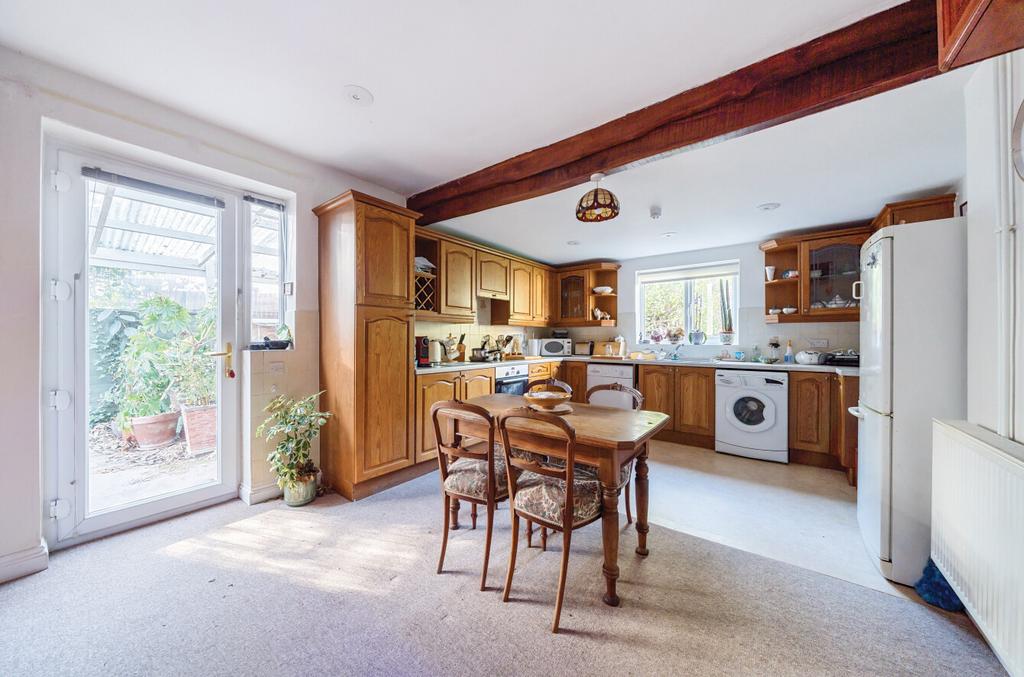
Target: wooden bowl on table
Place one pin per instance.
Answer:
(547, 397)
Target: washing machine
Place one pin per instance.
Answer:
(751, 414)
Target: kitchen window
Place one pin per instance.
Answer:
(679, 301)
(268, 266)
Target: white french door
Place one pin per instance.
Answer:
(142, 322)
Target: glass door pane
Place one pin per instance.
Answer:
(833, 268)
(152, 312)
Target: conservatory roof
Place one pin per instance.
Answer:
(136, 229)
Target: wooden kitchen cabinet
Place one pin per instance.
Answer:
(458, 279)
(385, 387)
(366, 342)
(695, 401)
(846, 392)
(492, 275)
(430, 389)
(380, 240)
(577, 300)
(657, 385)
(575, 374)
(433, 388)
(973, 30)
(810, 402)
(913, 211)
(539, 302)
(540, 371)
(826, 263)
(521, 300)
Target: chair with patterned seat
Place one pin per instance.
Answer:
(472, 470)
(543, 384)
(550, 496)
(627, 470)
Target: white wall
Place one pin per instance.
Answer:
(31, 91)
(750, 304)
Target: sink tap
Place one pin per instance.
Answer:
(675, 353)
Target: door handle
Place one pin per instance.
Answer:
(856, 291)
(856, 412)
(226, 354)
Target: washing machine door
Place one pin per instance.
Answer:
(750, 411)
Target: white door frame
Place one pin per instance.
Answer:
(64, 369)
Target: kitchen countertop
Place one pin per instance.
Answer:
(685, 362)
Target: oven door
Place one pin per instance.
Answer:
(511, 386)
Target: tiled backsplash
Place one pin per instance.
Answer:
(476, 332)
(752, 331)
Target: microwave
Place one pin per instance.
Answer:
(556, 346)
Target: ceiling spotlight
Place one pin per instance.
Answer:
(769, 206)
(573, 243)
(655, 212)
(669, 233)
(358, 96)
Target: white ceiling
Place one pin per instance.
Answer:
(459, 85)
(838, 166)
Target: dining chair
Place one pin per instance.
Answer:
(625, 478)
(471, 470)
(551, 496)
(547, 384)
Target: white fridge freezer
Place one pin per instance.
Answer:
(912, 370)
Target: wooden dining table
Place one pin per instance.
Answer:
(606, 438)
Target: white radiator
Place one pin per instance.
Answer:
(978, 530)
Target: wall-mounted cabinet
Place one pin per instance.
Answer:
(577, 300)
(814, 275)
(973, 30)
(458, 280)
(913, 211)
(492, 275)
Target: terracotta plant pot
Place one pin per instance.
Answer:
(303, 492)
(200, 428)
(153, 432)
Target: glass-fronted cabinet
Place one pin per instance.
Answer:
(830, 267)
(572, 306)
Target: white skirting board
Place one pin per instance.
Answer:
(24, 562)
(978, 530)
(253, 495)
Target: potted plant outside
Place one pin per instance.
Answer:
(146, 413)
(294, 424)
(193, 379)
(726, 335)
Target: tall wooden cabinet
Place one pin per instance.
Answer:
(366, 341)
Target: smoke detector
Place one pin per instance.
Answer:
(769, 206)
(358, 96)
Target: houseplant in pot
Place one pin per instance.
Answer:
(294, 424)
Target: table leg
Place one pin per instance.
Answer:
(454, 513)
(610, 536)
(642, 498)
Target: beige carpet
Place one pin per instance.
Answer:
(340, 588)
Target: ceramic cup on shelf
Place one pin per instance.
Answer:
(769, 273)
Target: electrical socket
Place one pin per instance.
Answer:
(818, 342)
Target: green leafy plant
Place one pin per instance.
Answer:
(143, 384)
(191, 373)
(108, 337)
(295, 424)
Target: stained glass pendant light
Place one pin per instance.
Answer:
(598, 204)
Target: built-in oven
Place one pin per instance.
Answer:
(511, 379)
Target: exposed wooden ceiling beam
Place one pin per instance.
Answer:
(884, 51)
